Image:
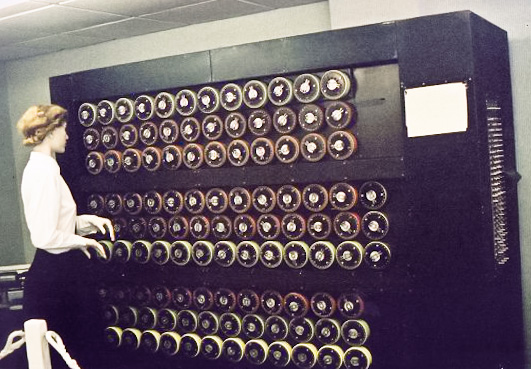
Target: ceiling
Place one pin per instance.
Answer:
(29, 28)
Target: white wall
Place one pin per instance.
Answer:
(28, 84)
(514, 16)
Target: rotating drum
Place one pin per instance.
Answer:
(268, 226)
(190, 345)
(221, 227)
(132, 203)
(173, 201)
(235, 125)
(375, 225)
(113, 204)
(306, 88)
(190, 129)
(141, 251)
(87, 114)
(271, 254)
(304, 355)
(233, 349)
(264, 199)
(296, 254)
(96, 204)
(186, 102)
(144, 107)
(150, 341)
(272, 302)
(357, 358)
(289, 198)
(244, 226)
(106, 113)
(323, 304)
(181, 298)
(109, 137)
(211, 347)
(141, 296)
(256, 351)
(262, 151)
(217, 200)
(280, 91)
(128, 135)
(279, 353)
(208, 323)
(351, 305)
(293, 226)
(169, 131)
(148, 133)
(199, 227)
(181, 252)
(311, 118)
(113, 336)
(122, 251)
(313, 147)
(212, 127)
(170, 343)
(355, 332)
(152, 158)
(125, 110)
(128, 316)
(193, 156)
(240, 200)
(112, 161)
(131, 160)
(160, 252)
(301, 329)
(91, 138)
(152, 202)
(225, 253)
(230, 324)
(330, 357)
(284, 120)
(340, 114)
(194, 201)
(377, 255)
(187, 321)
(215, 154)
(107, 247)
(319, 226)
(349, 254)
(255, 94)
(231, 97)
(203, 298)
(253, 326)
(296, 305)
(157, 227)
(328, 331)
(164, 105)
(335, 84)
(343, 196)
(347, 225)
(276, 328)
(131, 338)
(172, 157)
(94, 162)
(315, 197)
(203, 252)
(178, 227)
(259, 122)
(208, 100)
(238, 152)
(248, 253)
(248, 301)
(342, 145)
(322, 254)
(287, 149)
(373, 195)
(147, 318)
(225, 301)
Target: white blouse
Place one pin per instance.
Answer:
(50, 209)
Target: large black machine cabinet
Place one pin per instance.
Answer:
(338, 199)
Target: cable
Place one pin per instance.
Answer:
(11, 345)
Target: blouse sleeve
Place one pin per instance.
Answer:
(41, 197)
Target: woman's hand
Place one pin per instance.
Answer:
(96, 223)
(90, 243)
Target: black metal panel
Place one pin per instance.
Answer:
(435, 49)
(335, 49)
(170, 72)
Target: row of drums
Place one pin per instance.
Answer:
(311, 118)
(313, 197)
(322, 255)
(350, 305)
(346, 225)
(313, 147)
(235, 349)
(305, 88)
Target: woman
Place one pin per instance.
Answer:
(55, 286)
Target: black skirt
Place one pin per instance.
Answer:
(59, 288)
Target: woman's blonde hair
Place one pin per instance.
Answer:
(38, 121)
